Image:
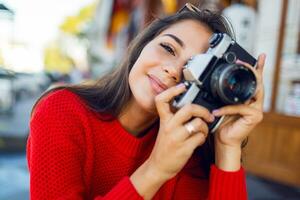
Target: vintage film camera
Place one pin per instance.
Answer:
(213, 79)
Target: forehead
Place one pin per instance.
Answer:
(193, 34)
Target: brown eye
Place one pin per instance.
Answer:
(168, 48)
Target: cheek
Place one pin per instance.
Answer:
(149, 59)
(141, 89)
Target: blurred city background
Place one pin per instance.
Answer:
(50, 42)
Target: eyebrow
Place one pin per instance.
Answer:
(179, 41)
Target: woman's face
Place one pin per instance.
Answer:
(160, 63)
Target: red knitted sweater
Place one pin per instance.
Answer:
(74, 154)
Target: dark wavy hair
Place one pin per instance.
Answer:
(111, 93)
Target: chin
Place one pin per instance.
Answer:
(147, 105)
(142, 101)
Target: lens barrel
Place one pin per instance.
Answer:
(233, 83)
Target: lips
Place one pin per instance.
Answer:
(157, 85)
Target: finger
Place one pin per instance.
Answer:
(163, 100)
(261, 63)
(259, 67)
(192, 110)
(195, 140)
(200, 125)
(257, 100)
(197, 125)
(250, 116)
(259, 95)
(250, 67)
(241, 109)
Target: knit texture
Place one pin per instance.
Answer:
(74, 154)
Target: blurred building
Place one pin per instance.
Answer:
(6, 30)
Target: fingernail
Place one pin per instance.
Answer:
(181, 85)
(212, 118)
(216, 112)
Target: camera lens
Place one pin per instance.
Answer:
(233, 83)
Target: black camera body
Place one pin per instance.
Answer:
(213, 79)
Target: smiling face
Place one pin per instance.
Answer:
(160, 63)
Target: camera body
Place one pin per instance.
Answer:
(213, 79)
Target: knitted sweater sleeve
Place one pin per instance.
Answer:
(227, 185)
(56, 152)
(221, 185)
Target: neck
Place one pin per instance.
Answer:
(136, 120)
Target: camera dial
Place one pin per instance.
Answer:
(215, 39)
(230, 57)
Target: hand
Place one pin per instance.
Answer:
(243, 118)
(174, 144)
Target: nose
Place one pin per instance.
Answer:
(173, 71)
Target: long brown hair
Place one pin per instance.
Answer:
(111, 93)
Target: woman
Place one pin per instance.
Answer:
(120, 139)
